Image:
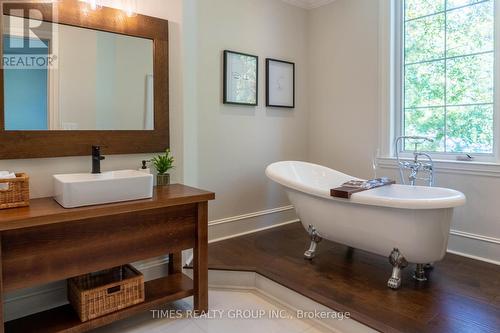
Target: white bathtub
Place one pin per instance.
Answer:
(413, 219)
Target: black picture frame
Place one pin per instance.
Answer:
(225, 77)
(268, 103)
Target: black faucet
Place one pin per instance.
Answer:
(96, 159)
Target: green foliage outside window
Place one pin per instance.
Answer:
(449, 74)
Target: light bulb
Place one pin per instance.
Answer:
(92, 4)
(130, 13)
(130, 8)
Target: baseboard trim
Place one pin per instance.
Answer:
(239, 225)
(253, 231)
(474, 246)
(149, 264)
(469, 235)
(250, 215)
(36, 293)
(491, 261)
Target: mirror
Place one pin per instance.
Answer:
(90, 79)
(73, 76)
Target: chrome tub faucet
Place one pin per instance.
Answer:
(415, 165)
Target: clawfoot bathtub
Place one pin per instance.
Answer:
(407, 223)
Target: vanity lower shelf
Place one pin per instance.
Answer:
(64, 319)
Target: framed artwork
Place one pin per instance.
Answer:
(241, 76)
(280, 83)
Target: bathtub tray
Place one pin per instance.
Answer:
(346, 191)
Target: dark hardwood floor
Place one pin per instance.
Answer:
(462, 295)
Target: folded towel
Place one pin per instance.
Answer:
(6, 175)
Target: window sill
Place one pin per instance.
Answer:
(475, 168)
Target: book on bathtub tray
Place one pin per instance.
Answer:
(353, 186)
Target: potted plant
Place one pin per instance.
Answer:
(162, 164)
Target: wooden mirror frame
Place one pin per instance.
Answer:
(37, 144)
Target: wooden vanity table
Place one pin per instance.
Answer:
(45, 242)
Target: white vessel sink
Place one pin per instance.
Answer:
(85, 189)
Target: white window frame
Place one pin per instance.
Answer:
(391, 85)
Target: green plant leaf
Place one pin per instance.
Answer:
(163, 163)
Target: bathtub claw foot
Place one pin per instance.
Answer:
(309, 254)
(394, 283)
(315, 239)
(398, 262)
(419, 274)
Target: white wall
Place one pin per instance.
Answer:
(345, 116)
(236, 143)
(343, 87)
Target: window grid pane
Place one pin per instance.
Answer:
(466, 92)
(448, 9)
(415, 9)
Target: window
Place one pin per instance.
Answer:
(447, 74)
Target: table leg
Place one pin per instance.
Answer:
(175, 263)
(200, 260)
(1, 289)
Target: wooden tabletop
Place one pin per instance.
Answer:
(47, 211)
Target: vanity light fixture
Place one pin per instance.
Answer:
(91, 4)
(130, 8)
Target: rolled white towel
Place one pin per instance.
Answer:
(6, 175)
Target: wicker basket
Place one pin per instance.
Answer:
(18, 192)
(96, 294)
